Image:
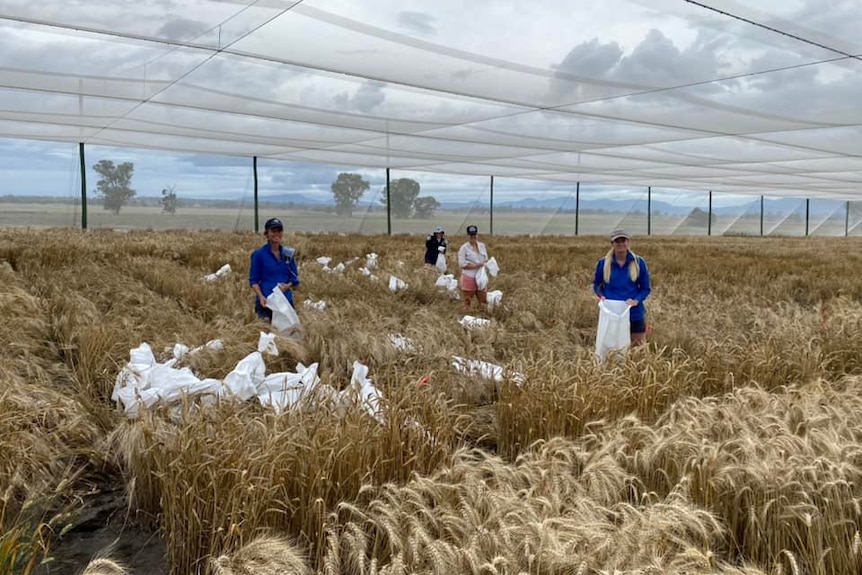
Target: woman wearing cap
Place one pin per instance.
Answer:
(472, 256)
(272, 265)
(435, 244)
(623, 275)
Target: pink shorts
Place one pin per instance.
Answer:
(468, 284)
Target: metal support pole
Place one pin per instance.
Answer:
(388, 206)
(83, 185)
(846, 218)
(807, 214)
(761, 216)
(492, 206)
(256, 210)
(577, 206)
(648, 210)
(709, 216)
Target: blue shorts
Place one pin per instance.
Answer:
(263, 313)
(638, 326)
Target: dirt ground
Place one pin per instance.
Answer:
(105, 529)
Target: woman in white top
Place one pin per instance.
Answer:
(471, 257)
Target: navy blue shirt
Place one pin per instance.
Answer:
(268, 270)
(621, 287)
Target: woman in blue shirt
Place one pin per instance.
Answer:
(272, 265)
(623, 275)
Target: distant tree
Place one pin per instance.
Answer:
(170, 202)
(697, 218)
(347, 189)
(403, 193)
(424, 207)
(114, 184)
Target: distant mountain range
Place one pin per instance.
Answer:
(567, 203)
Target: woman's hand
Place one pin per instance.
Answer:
(632, 302)
(262, 299)
(284, 287)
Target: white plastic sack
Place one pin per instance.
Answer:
(614, 331)
(222, 271)
(339, 268)
(284, 318)
(371, 261)
(266, 344)
(492, 267)
(396, 284)
(401, 343)
(450, 284)
(494, 298)
(324, 261)
(482, 279)
(315, 305)
(441, 263)
(244, 380)
(471, 322)
(485, 370)
(368, 395)
(284, 391)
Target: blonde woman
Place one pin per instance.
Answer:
(471, 257)
(622, 275)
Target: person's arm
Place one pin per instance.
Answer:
(599, 279)
(429, 243)
(462, 258)
(644, 282)
(254, 279)
(293, 272)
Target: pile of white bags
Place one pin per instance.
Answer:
(143, 383)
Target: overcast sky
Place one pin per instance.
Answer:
(628, 92)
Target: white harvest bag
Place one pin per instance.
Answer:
(614, 332)
(493, 267)
(441, 263)
(482, 279)
(284, 318)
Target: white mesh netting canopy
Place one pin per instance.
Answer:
(718, 95)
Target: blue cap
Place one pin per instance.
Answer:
(273, 223)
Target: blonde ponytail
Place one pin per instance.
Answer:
(634, 267)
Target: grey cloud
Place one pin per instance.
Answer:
(369, 95)
(417, 22)
(182, 29)
(591, 59)
(656, 61)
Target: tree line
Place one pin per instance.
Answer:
(348, 188)
(115, 188)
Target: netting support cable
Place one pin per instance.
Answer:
(846, 218)
(83, 185)
(577, 205)
(491, 209)
(388, 206)
(649, 210)
(807, 214)
(761, 215)
(256, 210)
(709, 216)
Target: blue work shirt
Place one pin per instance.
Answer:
(621, 287)
(268, 270)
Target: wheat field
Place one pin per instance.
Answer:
(730, 444)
